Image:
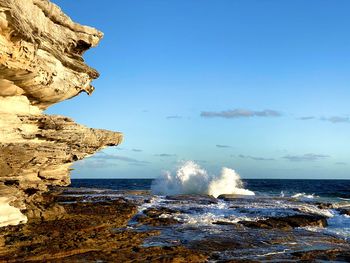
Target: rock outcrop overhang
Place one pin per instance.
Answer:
(41, 64)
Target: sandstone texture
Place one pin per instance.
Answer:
(41, 64)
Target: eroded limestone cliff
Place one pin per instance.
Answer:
(41, 64)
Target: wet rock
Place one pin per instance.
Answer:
(287, 223)
(199, 199)
(156, 212)
(223, 223)
(344, 211)
(216, 244)
(233, 197)
(158, 217)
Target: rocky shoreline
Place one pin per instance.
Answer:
(114, 229)
(86, 232)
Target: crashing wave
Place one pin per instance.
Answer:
(190, 178)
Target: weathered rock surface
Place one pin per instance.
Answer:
(88, 232)
(332, 255)
(158, 217)
(200, 199)
(41, 64)
(288, 222)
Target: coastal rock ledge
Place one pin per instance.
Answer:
(41, 64)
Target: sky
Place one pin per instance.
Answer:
(259, 86)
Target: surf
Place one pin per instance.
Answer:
(190, 178)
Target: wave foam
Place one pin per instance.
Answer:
(190, 178)
(304, 195)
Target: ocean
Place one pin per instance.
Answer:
(324, 189)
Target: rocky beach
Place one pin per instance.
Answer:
(89, 225)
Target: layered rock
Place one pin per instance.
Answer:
(41, 64)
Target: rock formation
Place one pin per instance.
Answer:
(41, 64)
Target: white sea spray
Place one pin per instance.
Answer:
(190, 178)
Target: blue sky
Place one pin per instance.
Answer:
(260, 86)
